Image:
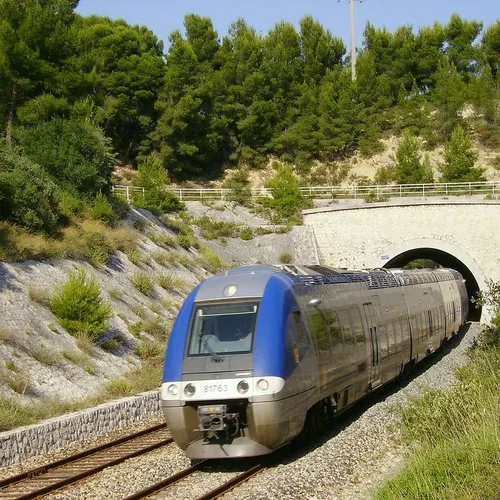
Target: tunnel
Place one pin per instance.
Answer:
(446, 260)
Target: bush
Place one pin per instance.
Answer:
(239, 185)
(246, 234)
(74, 152)
(286, 258)
(187, 241)
(152, 176)
(150, 350)
(28, 196)
(96, 247)
(211, 261)
(211, 229)
(79, 307)
(144, 283)
(102, 209)
(286, 196)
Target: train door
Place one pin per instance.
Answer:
(369, 313)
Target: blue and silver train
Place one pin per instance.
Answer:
(261, 352)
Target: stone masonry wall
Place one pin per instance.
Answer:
(25, 442)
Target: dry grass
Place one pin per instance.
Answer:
(44, 356)
(39, 295)
(19, 383)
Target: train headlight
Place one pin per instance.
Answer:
(263, 384)
(243, 387)
(173, 390)
(189, 390)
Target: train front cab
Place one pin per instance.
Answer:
(221, 400)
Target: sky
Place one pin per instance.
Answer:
(163, 16)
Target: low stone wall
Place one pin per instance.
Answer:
(26, 442)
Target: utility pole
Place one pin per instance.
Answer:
(353, 42)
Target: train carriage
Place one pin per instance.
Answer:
(256, 351)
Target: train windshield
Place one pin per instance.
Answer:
(223, 329)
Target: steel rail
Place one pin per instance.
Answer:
(165, 483)
(55, 475)
(233, 483)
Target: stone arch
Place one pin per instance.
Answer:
(443, 253)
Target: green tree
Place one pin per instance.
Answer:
(286, 196)
(74, 152)
(490, 45)
(192, 136)
(459, 159)
(122, 68)
(409, 168)
(152, 176)
(449, 96)
(36, 39)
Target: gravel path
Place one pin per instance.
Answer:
(345, 463)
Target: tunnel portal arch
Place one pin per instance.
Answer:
(446, 255)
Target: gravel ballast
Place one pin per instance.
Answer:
(347, 462)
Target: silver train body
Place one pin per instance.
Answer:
(260, 352)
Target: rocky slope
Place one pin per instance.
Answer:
(39, 359)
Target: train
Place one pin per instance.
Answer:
(261, 353)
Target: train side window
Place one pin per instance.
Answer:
(425, 324)
(357, 326)
(415, 327)
(335, 333)
(320, 331)
(299, 327)
(404, 330)
(382, 338)
(390, 339)
(345, 324)
(397, 333)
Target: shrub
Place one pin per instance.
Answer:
(212, 262)
(187, 241)
(96, 247)
(10, 365)
(74, 152)
(286, 196)
(385, 174)
(152, 176)
(239, 185)
(286, 258)
(166, 281)
(79, 307)
(28, 196)
(19, 383)
(102, 209)
(149, 350)
(144, 283)
(246, 234)
(211, 229)
(372, 197)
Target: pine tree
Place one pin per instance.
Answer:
(409, 168)
(459, 159)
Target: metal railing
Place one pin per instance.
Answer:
(444, 189)
(127, 192)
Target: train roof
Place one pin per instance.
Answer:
(374, 278)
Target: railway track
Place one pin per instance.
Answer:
(55, 475)
(163, 486)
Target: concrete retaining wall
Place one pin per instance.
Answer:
(25, 442)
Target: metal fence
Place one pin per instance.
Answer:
(491, 188)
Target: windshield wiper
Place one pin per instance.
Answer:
(213, 354)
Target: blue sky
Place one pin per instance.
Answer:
(163, 16)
